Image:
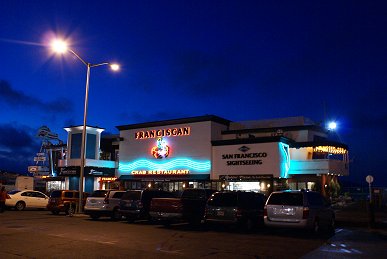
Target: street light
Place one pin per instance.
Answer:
(332, 125)
(61, 47)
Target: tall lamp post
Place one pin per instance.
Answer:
(61, 47)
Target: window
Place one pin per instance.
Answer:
(286, 198)
(68, 195)
(39, 195)
(118, 195)
(223, 199)
(99, 193)
(132, 195)
(28, 194)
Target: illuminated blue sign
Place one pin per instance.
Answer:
(178, 163)
(284, 150)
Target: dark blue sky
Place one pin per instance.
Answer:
(241, 60)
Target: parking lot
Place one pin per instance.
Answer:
(39, 234)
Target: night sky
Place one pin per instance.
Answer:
(240, 60)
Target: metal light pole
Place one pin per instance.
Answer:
(61, 47)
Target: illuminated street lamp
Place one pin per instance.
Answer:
(61, 47)
(332, 125)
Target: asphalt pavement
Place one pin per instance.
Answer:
(358, 235)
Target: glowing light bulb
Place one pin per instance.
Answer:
(59, 46)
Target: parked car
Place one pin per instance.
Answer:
(299, 209)
(26, 199)
(104, 203)
(189, 207)
(235, 207)
(135, 204)
(64, 201)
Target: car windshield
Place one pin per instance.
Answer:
(131, 195)
(223, 199)
(286, 198)
(13, 192)
(99, 193)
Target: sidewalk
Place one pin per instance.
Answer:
(356, 215)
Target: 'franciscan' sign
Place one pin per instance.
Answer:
(185, 131)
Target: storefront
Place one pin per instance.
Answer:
(171, 155)
(251, 164)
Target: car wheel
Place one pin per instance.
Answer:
(20, 205)
(55, 212)
(129, 219)
(116, 215)
(70, 210)
(316, 226)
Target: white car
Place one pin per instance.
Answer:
(26, 199)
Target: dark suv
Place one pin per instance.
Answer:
(240, 208)
(135, 204)
(64, 201)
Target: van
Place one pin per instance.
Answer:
(235, 208)
(299, 209)
(24, 183)
(135, 204)
(64, 201)
(104, 203)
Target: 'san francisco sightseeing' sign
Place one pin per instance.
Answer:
(172, 132)
(244, 158)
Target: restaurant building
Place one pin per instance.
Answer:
(212, 152)
(172, 154)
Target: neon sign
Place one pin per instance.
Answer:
(172, 132)
(161, 150)
(285, 150)
(144, 164)
(330, 149)
(161, 172)
(108, 179)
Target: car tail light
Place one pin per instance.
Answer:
(8, 197)
(265, 211)
(305, 213)
(238, 212)
(139, 204)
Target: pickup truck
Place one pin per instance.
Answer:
(189, 207)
